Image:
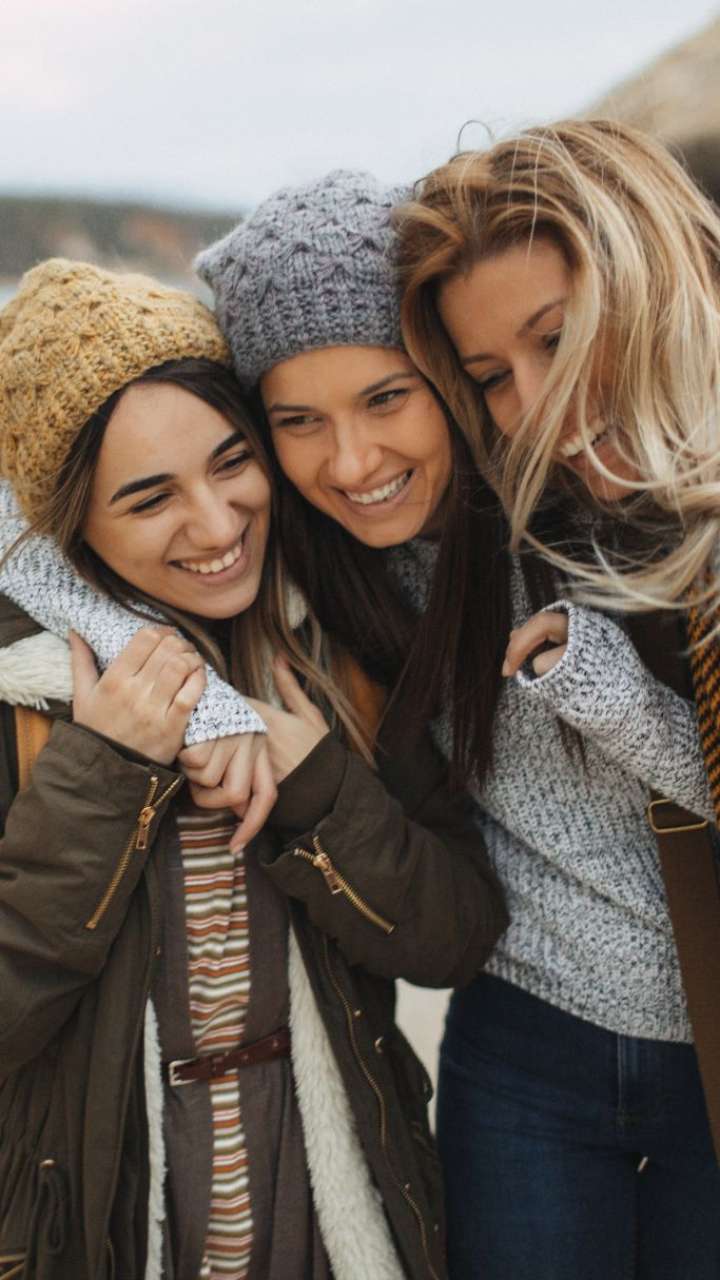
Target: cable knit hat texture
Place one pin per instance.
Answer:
(312, 267)
(71, 336)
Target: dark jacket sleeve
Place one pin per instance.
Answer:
(75, 844)
(401, 880)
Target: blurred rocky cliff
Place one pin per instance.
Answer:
(128, 236)
(677, 97)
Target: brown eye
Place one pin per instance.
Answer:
(237, 460)
(297, 422)
(148, 505)
(494, 380)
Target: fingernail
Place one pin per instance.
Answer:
(506, 668)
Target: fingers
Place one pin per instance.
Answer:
(205, 763)
(139, 649)
(295, 698)
(84, 671)
(545, 662)
(193, 760)
(525, 640)
(238, 779)
(169, 673)
(264, 795)
(208, 797)
(189, 694)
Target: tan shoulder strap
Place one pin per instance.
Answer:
(690, 872)
(32, 730)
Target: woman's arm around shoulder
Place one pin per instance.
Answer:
(593, 678)
(391, 864)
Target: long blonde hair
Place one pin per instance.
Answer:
(643, 246)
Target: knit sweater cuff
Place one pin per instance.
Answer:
(601, 687)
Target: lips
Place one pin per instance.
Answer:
(218, 564)
(381, 493)
(576, 444)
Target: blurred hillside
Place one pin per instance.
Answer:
(677, 97)
(130, 236)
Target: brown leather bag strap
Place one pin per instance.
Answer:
(32, 730)
(690, 872)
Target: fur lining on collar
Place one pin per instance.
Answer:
(352, 1220)
(154, 1102)
(34, 670)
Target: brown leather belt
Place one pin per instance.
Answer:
(187, 1070)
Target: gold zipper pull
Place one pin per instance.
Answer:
(332, 879)
(145, 817)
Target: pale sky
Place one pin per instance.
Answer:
(218, 102)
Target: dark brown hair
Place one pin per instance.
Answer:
(266, 628)
(450, 653)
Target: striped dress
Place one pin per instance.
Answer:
(238, 1201)
(219, 970)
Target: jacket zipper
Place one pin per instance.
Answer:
(138, 840)
(381, 1105)
(337, 883)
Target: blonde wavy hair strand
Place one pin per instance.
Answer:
(643, 246)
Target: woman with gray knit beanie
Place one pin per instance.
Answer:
(571, 1119)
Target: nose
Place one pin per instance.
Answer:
(356, 456)
(213, 523)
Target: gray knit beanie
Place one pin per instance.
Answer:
(313, 267)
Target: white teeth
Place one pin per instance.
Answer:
(213, 566)
(574, 445)
(382, 494)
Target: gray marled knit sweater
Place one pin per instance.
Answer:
(590, 930)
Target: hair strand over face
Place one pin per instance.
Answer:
(643, 247)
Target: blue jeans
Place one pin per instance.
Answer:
(571, 1153)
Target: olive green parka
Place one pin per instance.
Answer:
(402, 888)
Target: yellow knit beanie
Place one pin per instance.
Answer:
(71, 336)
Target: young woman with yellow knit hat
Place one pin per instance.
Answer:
(201, 1075)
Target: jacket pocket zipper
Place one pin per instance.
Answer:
(138, 840)
(337, 883)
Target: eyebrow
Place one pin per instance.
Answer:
(366, 391)
(149, 482)
(524, 328)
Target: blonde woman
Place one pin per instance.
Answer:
(561, 291)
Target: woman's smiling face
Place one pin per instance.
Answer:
(180, 506)
(504, 318)
(360, 434)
